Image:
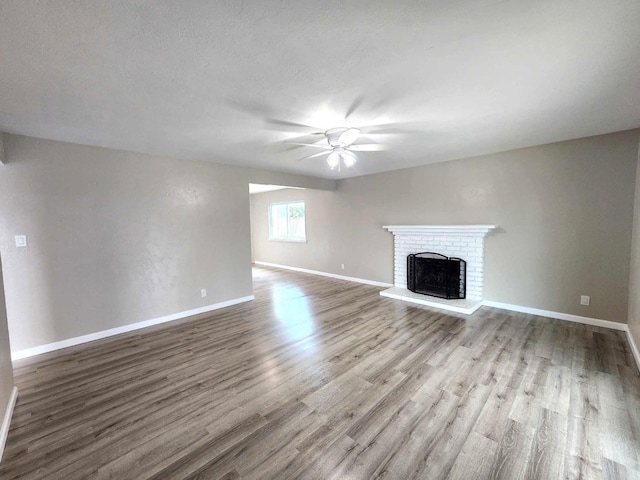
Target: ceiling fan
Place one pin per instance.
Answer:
(339, 146)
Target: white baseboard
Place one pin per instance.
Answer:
(634, 347)
(560, 316)
(6, 422)
(324, 274)
(29, 352)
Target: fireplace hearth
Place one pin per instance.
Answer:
(437, 275)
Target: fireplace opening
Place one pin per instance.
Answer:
(433, 274)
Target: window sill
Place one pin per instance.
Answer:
(289, 240)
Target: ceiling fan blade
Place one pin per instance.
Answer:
(354, 106)
(306, 139)
(412, 127)
(313, 137)
(281, 147)
(290, 125)
(313, 156)
(253, 108)
(370, 147)
(316, 145)
(369, 139)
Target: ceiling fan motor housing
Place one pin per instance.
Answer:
(342, 136)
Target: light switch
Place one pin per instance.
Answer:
(21, 240)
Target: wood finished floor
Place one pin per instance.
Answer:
(320, 379)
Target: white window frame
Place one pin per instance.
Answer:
(288, 238)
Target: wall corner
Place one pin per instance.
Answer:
(633, 318)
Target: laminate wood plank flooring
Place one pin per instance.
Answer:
(324, 379)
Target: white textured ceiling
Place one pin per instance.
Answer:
(220, 80)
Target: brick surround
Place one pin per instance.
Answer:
(463, 241)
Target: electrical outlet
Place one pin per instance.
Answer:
(21, 240)
(342, 266)
(585, 300)
(203, 292)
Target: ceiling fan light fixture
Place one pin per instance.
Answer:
(349, 158)
(340, 154)
(333, 160)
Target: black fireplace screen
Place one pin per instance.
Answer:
(436, 275)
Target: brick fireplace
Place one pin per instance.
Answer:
(463, 241)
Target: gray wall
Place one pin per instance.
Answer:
(565, 212)
(6, 370)
(634, 277)
(116, 237)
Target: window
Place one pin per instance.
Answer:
(286, 222)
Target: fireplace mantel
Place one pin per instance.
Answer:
(461, 241)
(440, 229)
